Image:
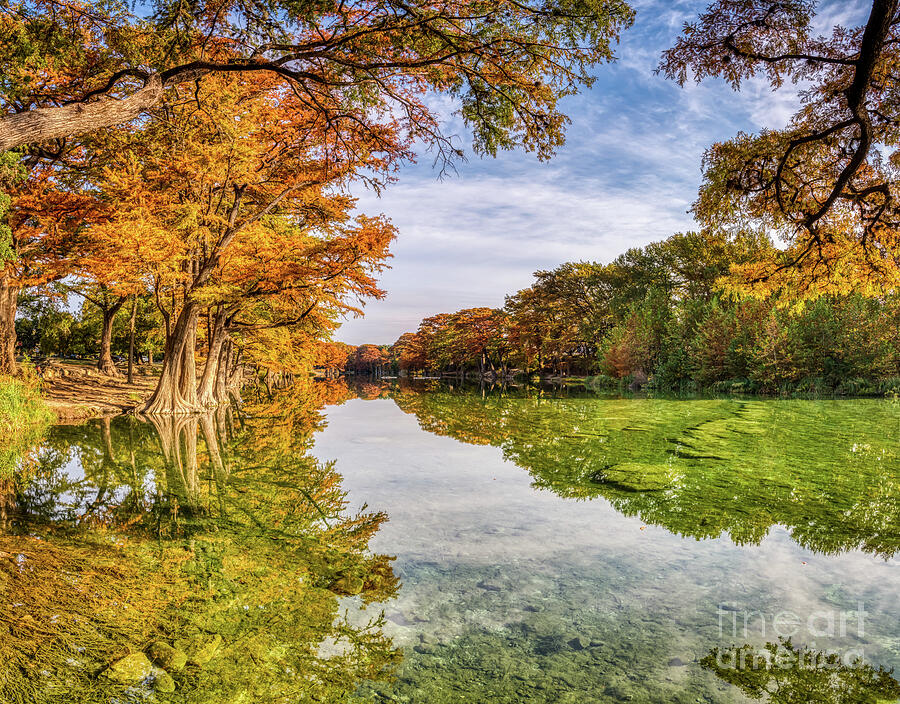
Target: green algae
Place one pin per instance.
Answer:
(214, 544)
(827, 470)
(252, 557)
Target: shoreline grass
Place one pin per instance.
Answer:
(24, 418)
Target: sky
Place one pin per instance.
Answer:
(627, 176)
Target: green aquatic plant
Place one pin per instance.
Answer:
(226, 559)
(700, 467)
(24, 418)
(782, 673)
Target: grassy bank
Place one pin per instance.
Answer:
(24, 416)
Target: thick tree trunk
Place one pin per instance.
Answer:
(131, 339)
(176, 390)
(223, 378)
(105, 362)
(214, 370)
(234, 379)
(188, 379)
(8, 503)
(9, 297)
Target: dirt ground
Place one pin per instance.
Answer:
(78, 391)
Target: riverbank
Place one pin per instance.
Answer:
(76, 392)
(810, 387)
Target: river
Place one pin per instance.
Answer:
(430, 544)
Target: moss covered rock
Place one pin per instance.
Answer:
(162, 681)
(167, 657)
(131, 669)
(200, 650)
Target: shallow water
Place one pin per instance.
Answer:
(560, 549)
(550, 547)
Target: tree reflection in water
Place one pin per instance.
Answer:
(700, 468)
(782, 673)
(217, 534)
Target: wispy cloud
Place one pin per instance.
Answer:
(627, 176)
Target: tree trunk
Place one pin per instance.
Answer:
(105, 362)
(176, 390)
(8, 503)
(234, 379)
(223, 380)
(9, 297)
(214, 370)
(131, 339)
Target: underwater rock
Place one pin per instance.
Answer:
(162, 681)
(400, 619)
(579, 643)
(167, 657)
(489, 586)
(619, 691)
(413, 618)
(200, 650)
(131, 669)
(207, 652)
(549, 645)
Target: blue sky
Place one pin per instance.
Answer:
(626, 176)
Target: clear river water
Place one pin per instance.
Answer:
(429, 544)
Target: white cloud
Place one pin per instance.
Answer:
(627, 176)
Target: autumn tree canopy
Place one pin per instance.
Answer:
(239, 190)
(827, 183)
(72, 68)
(217, 142)
(40, 238)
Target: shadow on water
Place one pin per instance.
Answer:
(131, 545)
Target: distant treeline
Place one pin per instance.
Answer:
(663, 315)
